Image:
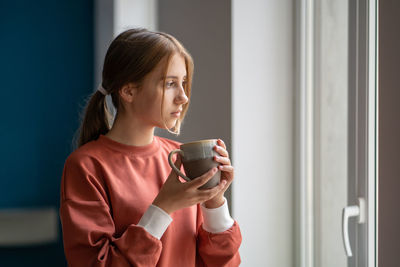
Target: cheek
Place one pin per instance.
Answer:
(153, 103)
(155, 109)
(169, 97)
(148, 108)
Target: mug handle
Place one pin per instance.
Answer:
(173, 165)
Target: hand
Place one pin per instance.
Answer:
(227, 175)
(175, 195)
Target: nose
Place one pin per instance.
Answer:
(181, 98)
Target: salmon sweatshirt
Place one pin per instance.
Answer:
(108, 219)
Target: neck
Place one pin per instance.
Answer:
(128, 131)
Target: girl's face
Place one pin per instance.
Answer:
(147, 103)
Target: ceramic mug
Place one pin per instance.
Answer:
(197, 158)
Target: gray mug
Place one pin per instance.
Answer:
(197, 158)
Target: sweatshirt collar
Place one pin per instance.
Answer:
(145, 150)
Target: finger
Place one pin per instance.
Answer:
(221, 143)
(212, 192)
(201, 180)
(223, 160)
(226, 183)
(226, 168)
(222, 151)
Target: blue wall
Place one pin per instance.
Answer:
(46, 71)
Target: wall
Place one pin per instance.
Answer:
(204, 28)
(389, 133)
(262, 129)
(46, 50)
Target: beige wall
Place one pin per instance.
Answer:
(204, 28)
(389, 134)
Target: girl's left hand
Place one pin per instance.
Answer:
(227, 174)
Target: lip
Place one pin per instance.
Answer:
(176, 113)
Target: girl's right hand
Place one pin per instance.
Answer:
(175, 195)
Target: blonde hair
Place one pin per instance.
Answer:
(131, 56)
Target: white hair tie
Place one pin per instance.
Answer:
(108, 105)
(102, 90)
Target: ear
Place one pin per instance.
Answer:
(128, 92)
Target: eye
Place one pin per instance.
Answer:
(170, 84)
(184, 83)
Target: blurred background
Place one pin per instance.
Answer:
(303, 92)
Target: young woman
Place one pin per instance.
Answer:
(121, 205)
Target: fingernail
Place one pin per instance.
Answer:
(223, 183)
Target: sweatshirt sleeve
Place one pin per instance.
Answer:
(218, 249)
(88, 227)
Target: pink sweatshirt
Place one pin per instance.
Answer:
(107, 187)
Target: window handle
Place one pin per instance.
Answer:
(348, 212)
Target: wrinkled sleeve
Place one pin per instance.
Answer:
(218, 249)
(88, 227)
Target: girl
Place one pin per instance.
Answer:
(121, 205)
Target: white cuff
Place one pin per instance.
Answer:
(155, 221)
(217, 220)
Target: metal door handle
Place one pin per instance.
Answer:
(348, 212)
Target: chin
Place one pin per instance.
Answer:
(168, 125)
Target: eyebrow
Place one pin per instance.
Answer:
(173, 77)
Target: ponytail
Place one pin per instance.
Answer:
(96, 119)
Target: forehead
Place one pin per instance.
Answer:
(176, 67)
